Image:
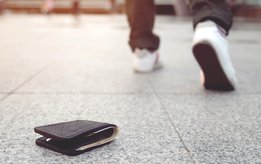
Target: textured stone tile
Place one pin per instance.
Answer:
(2, 96)
(88, 76)
(226, 151)
(94, 64)
(180, 73)
(245, 48)
(247, 65)
(15, 70)
(146, 135)
(216, 127)
(20, 58)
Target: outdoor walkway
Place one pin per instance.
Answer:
(55, 70)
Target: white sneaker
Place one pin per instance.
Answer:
(145, 61)
(210, 48)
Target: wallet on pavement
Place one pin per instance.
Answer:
(75, 137)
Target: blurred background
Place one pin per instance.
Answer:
(250, 9)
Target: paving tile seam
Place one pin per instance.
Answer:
(21, 85)
(234, 139)
(24, 82)
(172, 123)
(204, 92)
(78, 93)
(126, 93)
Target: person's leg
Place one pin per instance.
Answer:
(141, 15)
(216, 10)
(212, 22)
(76, 8)
(143, 42)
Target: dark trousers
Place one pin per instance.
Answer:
(141, 15)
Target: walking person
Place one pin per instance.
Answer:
(48, 6)
(76, 8)
(2, 6)
(212, 20)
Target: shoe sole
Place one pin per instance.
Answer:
(215, 77)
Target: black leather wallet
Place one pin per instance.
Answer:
(75, 137)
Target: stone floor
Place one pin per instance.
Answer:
(53, 69)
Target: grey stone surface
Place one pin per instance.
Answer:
(20, 57)
(89, 58)
(55, 69)
(245, 46)
(218, 127)
(96, 74)
(2, 96)
(15, 70)
(146, 134)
